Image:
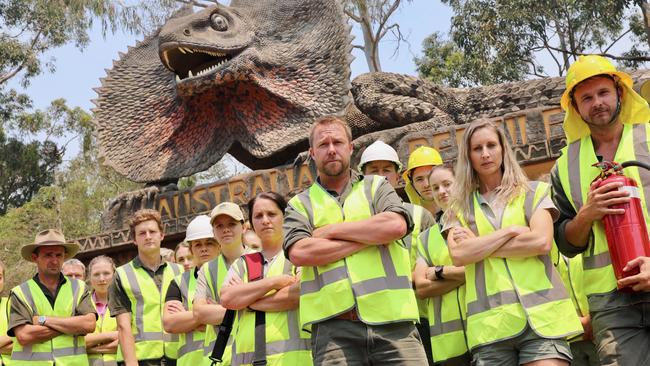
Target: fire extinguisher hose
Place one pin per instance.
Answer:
(639, 164)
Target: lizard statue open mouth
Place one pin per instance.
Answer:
(248, 78)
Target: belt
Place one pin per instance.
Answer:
(350, 315)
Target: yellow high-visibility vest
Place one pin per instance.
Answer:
(215, 273)
(377, 279)
(576, 175)
(285, 343)
(413, 244)
(105, 323)
(64, 350)
(570, 270)
(504, 295)
(190, 345)
(4, 326)
(151, 340)
(446, 313)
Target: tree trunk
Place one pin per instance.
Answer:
(370, 44)
(645, 10)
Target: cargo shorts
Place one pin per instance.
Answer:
(524, 348)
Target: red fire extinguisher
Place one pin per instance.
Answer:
(627, 234)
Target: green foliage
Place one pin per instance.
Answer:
(496, 41)
(445, 63)
(24, 169)
(29, 159)
(74, 204)
(216, 172)
(32, 27)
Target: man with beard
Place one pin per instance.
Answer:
(605, 120)
(355, 290)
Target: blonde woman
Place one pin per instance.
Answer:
(101, 345)
(442, 284)
(500, 228)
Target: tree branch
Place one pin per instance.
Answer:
(32, 45)
(618, 39)
(603, 54)
(352, 15)
(384, 19)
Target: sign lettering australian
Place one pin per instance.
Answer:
(535, 134)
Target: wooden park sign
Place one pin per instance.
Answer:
(536, 135)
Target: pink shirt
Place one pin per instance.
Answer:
(101, 307)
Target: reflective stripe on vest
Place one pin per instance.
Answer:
(4, 325)
(413, 244)
(446, 312)
(64, 350)
(105, 323)
(151, 341)
(505, 294)
(215, 273)
(190, 350)
(283, 337)
(411, 241)
(576, 174)
(356, 280)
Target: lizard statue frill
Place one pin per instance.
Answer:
(248, 79)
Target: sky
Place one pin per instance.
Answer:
(78, 71)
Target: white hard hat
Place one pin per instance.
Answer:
(199, 228)
(379, 150)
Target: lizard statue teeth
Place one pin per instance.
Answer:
(248, 78)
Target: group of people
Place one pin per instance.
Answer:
(482, 267)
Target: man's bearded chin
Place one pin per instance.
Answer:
(334, 170)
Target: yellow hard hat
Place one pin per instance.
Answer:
(634, 109)
(422, 156)
(586, 67)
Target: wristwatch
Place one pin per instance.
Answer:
(42, 319)
(438, 271)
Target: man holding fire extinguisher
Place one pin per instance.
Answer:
(606, 120)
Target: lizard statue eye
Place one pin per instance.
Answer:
(219, 23)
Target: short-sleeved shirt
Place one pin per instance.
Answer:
(20, 313)
(297, 227)
(426, 221)
(236, 272)
(612, 300)
(203, 290)
(118, 301)
(567, 213)
(493, 210)
(174, 292)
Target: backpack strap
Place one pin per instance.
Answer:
(255, 268)
(254, 265)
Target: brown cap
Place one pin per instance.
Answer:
(49, 238)
(227, 208)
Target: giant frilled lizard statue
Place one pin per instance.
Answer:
(250, 78)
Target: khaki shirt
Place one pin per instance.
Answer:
(296, 226)
(118, 301)
(20, 313)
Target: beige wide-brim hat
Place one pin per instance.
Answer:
(49, 238)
